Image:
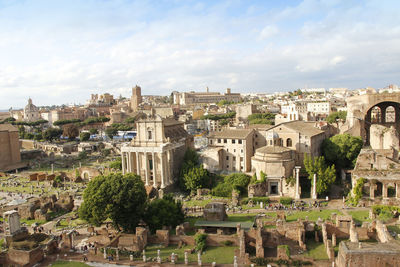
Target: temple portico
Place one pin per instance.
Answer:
(157, 151)
(154, 164)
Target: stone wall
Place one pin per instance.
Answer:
(24, 258)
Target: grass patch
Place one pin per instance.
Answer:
(69, 264)
(221, 255)
(360, 216)
(30, 222)
(242, 217)
(312, 215)
(316, 250)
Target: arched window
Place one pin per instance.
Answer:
(376, 115)
(390, 115)
(288, 142)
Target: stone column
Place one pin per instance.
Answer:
(154, 170)
(52, 168)
(186, 258)
(397, 191)
(137, 164)
(314, 187)
(169, 172)
(162, 170)
(297, 169)
(123, 163)
(371, 190)
(147, 167)
(129, 162)
(384, 190)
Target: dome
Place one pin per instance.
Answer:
(272, 135)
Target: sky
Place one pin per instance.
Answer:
(60, 52)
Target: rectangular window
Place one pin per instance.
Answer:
(149, 135)
(233, 141)
(210, 142)
(227, 166)
(241, 151)
(225, 141)
(240, 141)
(227, 157)
(241, 159)
(219, 140)
(233, 158)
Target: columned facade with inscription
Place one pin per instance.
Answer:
(157, 151)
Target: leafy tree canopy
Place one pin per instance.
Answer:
(261, 118)
(334, 116)
(216, 117)
(52, 133)
(325, 175)
(196, 177)
(342, 150)
(122, 198)
(84, 136)
(163, 212)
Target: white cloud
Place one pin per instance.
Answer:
(184, 48)
(268, 31)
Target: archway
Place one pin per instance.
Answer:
(383, 113)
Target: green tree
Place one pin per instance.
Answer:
(52, 133)
(196, 177)
(116, 164)
(190, 160)
(163, 212)
(122, 198)
(237, 181)
(38, 137)
(111, 131)
(325, 175)
(334, 116)
(342, 150)
(84, 136)
(93, 131)
(71, 131)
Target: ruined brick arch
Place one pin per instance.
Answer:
(377, 114)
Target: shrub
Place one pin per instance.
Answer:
(356, 194)
(222, 190)
(84, 136)
(286, 201)
(385, 213)
(200, 240)
(82, 155)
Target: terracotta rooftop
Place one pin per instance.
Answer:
(234, 134)
(8, 127)
(306, 128)
(272, 149)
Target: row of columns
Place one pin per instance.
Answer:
(373, 186)
(131, 166)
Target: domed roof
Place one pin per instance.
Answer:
(272, 149)
(272, 135)
(30, 106)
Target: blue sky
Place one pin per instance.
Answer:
(62, 51)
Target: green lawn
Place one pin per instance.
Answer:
(360, 216)
(69, 264)
(316, 250)
(313, 215)
(242, 217)
(221, 255)
(202, 203)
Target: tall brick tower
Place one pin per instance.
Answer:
(136, 98)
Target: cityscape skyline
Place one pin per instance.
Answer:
(72, 49)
